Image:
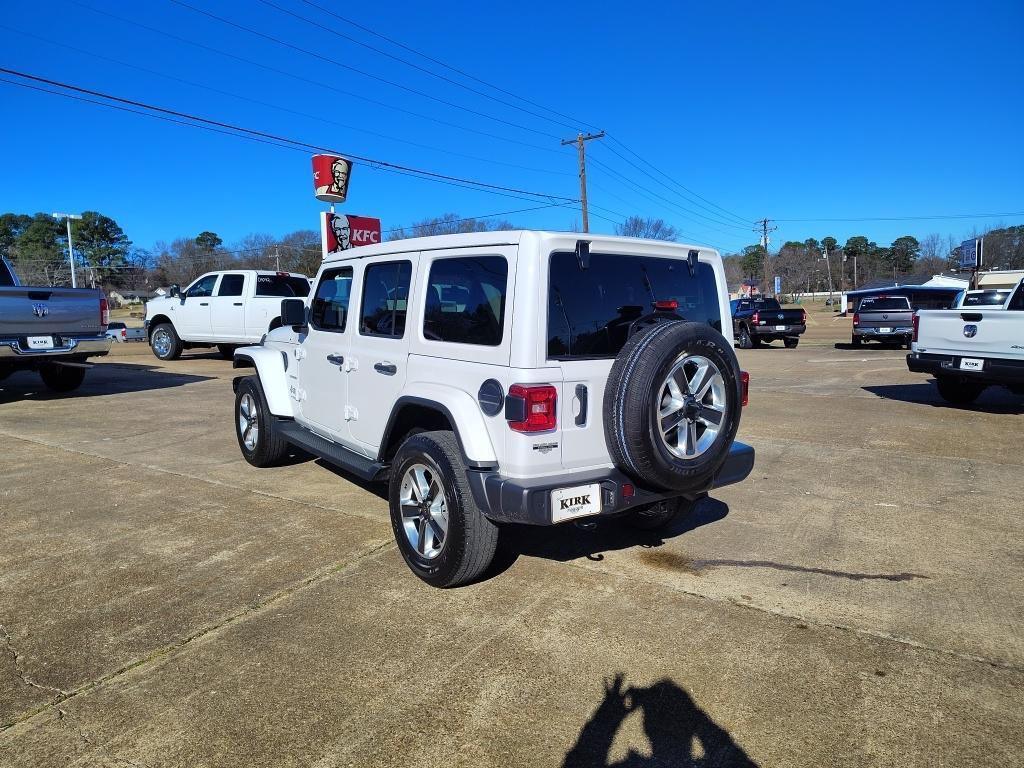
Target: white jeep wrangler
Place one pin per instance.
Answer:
(505, 377)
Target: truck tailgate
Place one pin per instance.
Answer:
(34, 311)
(962, 332)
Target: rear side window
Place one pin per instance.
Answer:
(285, 286)
(885, 304)
(329, 310)
(466, 300)
(590, 311)
(1017, 302)
(385, 298)
(231, 285)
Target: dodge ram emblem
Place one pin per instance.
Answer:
(40, 310)
(781, 316)
(970, 331)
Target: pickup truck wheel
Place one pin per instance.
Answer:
(958, 392)
(165, 342)
(442, 534)
(660, 514)
(791, 343)
(746, 342)
(62, 378)
(673, 405)
(855, 341)
(227, 351)
(255, 427)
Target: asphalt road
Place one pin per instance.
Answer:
(856, 602)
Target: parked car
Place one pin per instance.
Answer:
(759, 321)
(883, 318)
(614, 392)
(985, 297)
(971, 348)
(50, 330)
(221, 309)
(119, 332)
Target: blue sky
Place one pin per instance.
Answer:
(801, 111)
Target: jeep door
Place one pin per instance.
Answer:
(192, 315)
(323, 382)
(380, 346)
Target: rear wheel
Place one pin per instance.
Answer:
(255, 426)
(165, 342)
(442, 534)
(791, 343)
(958, 392)
(746, 342)
(227, 351)
(660, 514)
(62, 378)
(855, 340)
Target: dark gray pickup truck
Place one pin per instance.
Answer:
(757, 321)
(50, 330)
(884, 318)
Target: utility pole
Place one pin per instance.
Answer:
(828, 266)
(579, 142)
(277, 257)
(71, 249)
(764, 229)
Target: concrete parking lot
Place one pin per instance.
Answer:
(855, 602)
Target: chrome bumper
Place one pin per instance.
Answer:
(81, 346)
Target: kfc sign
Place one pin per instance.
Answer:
(339, 232)
(330, 178)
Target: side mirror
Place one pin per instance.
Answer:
(293, 312)
(175, 290)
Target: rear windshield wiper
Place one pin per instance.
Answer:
(561, 306)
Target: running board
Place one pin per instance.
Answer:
(331, 452)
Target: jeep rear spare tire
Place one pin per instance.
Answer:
(673, 405)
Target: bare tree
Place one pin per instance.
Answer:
(651, 229)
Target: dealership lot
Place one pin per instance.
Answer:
(855, 602)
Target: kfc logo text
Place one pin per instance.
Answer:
(340, 232)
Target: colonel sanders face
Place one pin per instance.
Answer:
(339, 171)
(342, 233)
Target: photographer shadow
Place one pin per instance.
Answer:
(681, 734)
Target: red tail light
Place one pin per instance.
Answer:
(856, 318)
(756, 318)
(917, 324)
(104, 312)
(803, 320)
(666, 305)
(745, 387)
(531, 407)
(124, 334)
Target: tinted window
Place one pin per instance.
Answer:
(590, 311)
(6, 276)
(766, 304)
(986, 299)
(204, 287)
(885, 304)
(115, 326)
(466, 300)
(231, 285)
(285, 286)
(329, 309)
(385, 298)
(1017, 302)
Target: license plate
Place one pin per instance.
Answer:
(40, 342)
(567, 503)
(780, 327)
(885, 330)
(971, 364)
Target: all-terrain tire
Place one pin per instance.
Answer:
(62, 378)
(746, 340)
(855, 341)
(256, 429)
(660, 514)
(791, 343)
(470, 539)
(642, 441)
(958, 392)
(165, 342)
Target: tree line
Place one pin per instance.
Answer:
(104, 256)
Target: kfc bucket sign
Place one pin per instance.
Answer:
(339, 232)
(330, 178)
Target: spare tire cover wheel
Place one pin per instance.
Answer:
(673, 405)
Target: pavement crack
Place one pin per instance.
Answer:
(22, 673)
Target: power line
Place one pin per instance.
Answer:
(350, 68)
(309, 81)
(279, 107)
(399, 59)
(281, 139)
(936, 217)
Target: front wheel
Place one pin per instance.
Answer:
(258, 437)
(958, 392)
(62, 378)
(442, 534)
(165, 342)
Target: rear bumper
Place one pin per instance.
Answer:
(518, 500)
(875, 333)
(771, 330)
(14, 351)
(996, 370)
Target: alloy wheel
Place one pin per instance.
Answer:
(424, 510)
(691, 406)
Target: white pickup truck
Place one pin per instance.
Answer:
(972, 347)
(223, 309)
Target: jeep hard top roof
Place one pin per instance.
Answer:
(549, 240)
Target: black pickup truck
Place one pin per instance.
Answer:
(756, 321)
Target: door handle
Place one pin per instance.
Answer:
(388, 369)
(335, 359)
(238, 303)
(204, 303)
